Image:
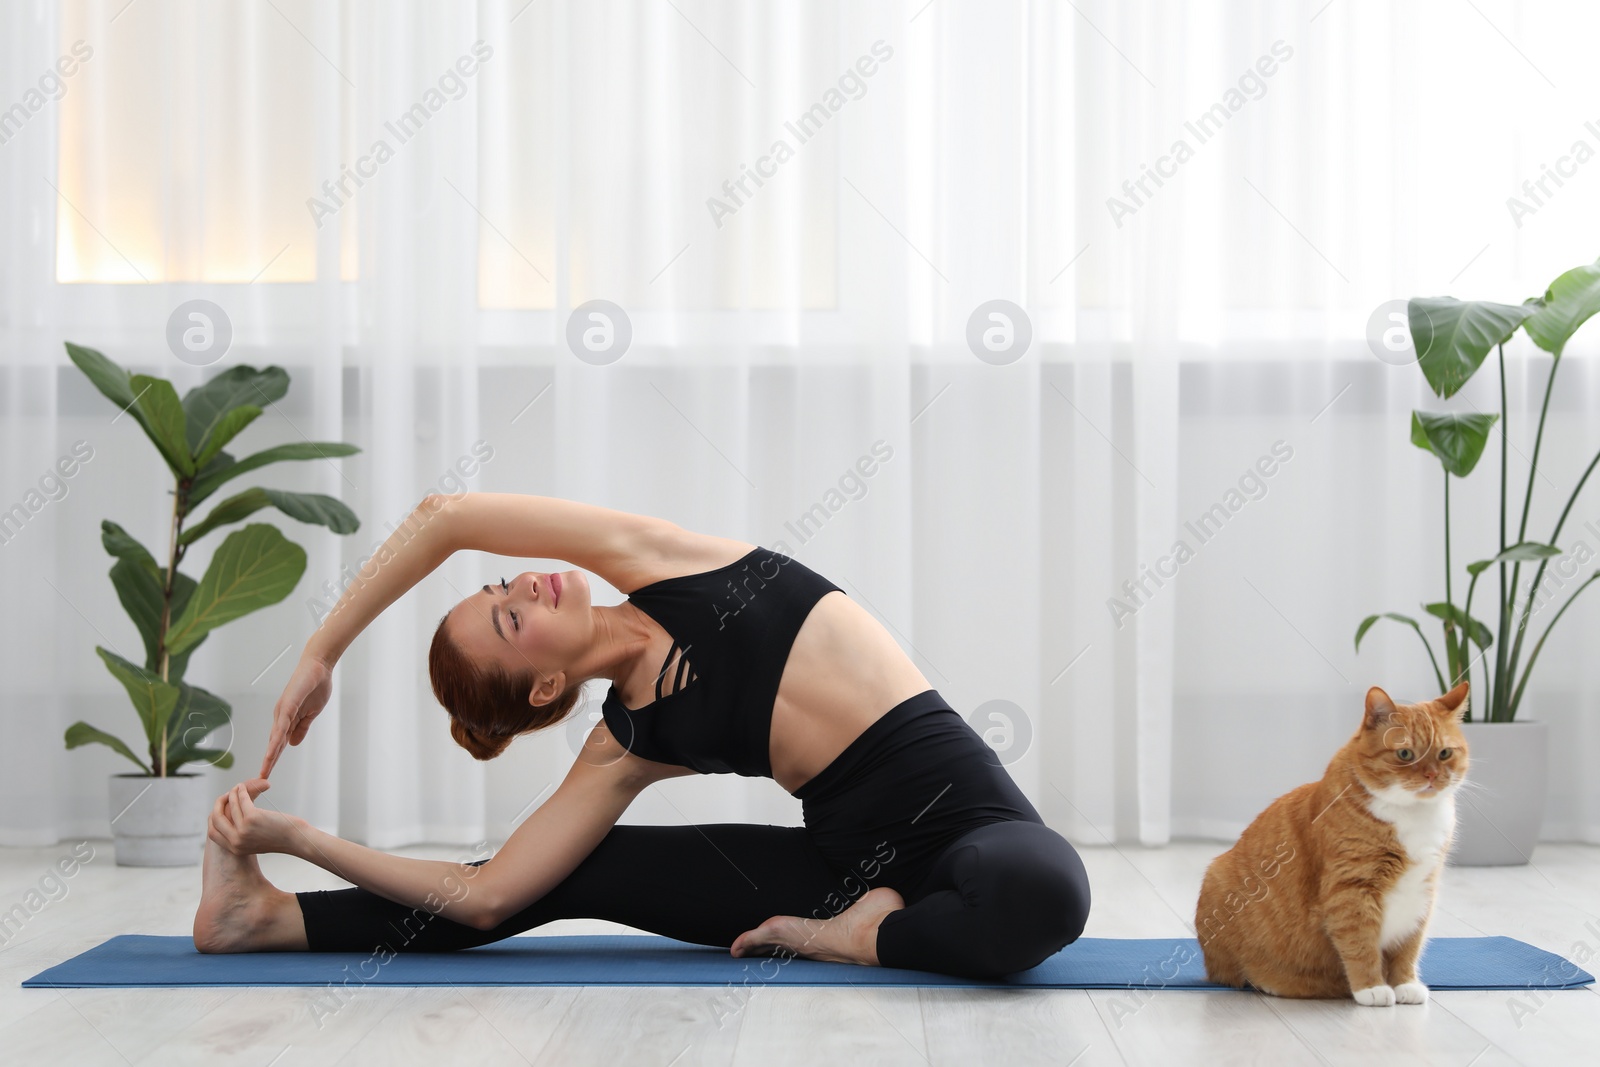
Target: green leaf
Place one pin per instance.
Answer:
(1366, 624)
(254, 567)
(81, 733)
(307, 507)
(208, 474)
(1457, 440)
(1567, 304)
(108, 377)
(1481, 635)
(226, 430)
(129, 393)
(118, 542)
(1521, 552)
(216, 757)
(163, 421)
(225, 467)
(196, 714)
(140, 594)
(207, 405)
(178, 662)
(221, 461)
(1452, 337)
(152, 698)
(139, 581)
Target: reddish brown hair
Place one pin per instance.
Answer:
(488, 706)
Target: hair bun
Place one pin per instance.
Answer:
(482, 747)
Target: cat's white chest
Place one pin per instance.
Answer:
(1424, 831)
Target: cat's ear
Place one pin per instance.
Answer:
(1455, 699)
(1379, 709)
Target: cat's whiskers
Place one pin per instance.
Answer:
(1467, 788)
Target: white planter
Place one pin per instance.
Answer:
(1501, 807)
(159, 822)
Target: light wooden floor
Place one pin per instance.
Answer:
(1138, 893)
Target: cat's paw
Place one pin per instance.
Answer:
(1378, 996)
(1411, 993)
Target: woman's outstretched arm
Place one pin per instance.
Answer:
(547, 846)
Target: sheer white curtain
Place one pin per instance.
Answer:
(800, 318)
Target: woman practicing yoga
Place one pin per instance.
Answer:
(918, 849)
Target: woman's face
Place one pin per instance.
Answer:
(534, 621)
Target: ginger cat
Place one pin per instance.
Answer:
(1329, 891)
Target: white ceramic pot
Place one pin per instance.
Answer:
(159, 822)
(1501, 807)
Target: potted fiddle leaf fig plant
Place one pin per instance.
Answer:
(1498, 823)
(158, 814)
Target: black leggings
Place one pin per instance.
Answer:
(918, 803)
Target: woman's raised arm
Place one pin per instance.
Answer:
(613, 544)
(409, 554)
(625, 549)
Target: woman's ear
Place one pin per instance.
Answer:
(548, 687)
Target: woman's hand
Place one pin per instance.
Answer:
(302, 700)
(246, 830)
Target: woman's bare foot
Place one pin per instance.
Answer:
(849, 937)
(240, 911)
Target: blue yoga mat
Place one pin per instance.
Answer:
(646, 959)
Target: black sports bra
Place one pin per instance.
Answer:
(731, 631)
